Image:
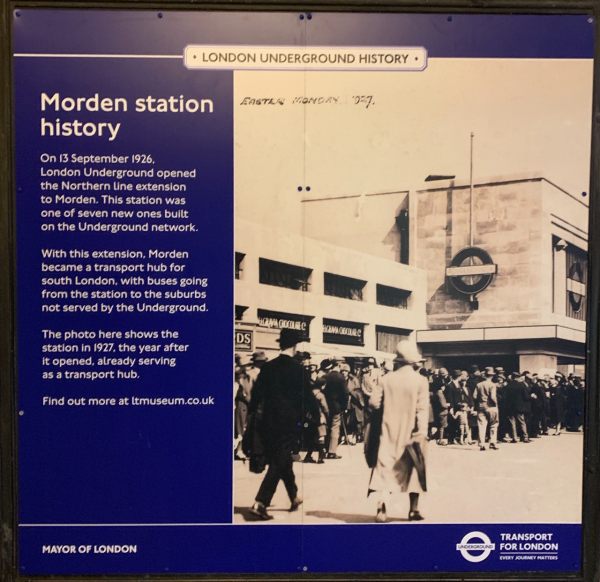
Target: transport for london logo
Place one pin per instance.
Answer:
(475, 546)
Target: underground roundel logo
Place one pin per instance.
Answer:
(576, 287)
(475, 546)
(471, 271)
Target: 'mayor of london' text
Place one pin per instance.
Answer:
(90, 549)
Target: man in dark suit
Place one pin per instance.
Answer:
(475, 376)
(517, 402)
(528, 380)
(539, 423)
(281, 392)
(336, 392)
(455, 397)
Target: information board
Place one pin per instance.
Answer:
(183, 177)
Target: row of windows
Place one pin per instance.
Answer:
(334, 331)
(299, 279)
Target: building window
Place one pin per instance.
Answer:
(239, 264)
(284, 275)
(576, 282)
(388, 337)
(345, 287)
(402, 224)
(239, 312)
(392, 296)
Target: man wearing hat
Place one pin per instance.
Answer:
(336, 394)
(318, 424)
(461, 402)
(280, 393)
(249, 368)
(357, 406)
(370, 376)
(243, 392)
(257, 361)
(516, 403)
(486, 403)
(474, 378)
(538, 425)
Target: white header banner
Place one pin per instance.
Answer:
(305, 58)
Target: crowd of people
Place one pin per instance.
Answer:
(528, 405)
(491, 405)
(288, 405)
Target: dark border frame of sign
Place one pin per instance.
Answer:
(8, 380)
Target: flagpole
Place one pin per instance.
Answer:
(471, 213)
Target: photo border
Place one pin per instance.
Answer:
(8, 375)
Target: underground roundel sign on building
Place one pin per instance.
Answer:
(576, 286)
(470, 272)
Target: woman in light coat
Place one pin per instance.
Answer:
(404, 395)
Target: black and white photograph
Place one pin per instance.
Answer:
(410, 293)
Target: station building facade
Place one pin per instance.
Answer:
(364, 271)
(533, 313)
(347, 302)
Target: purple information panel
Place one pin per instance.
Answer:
(244, 237)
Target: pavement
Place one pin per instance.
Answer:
(539, 482)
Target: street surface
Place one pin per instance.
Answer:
(540, 482)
